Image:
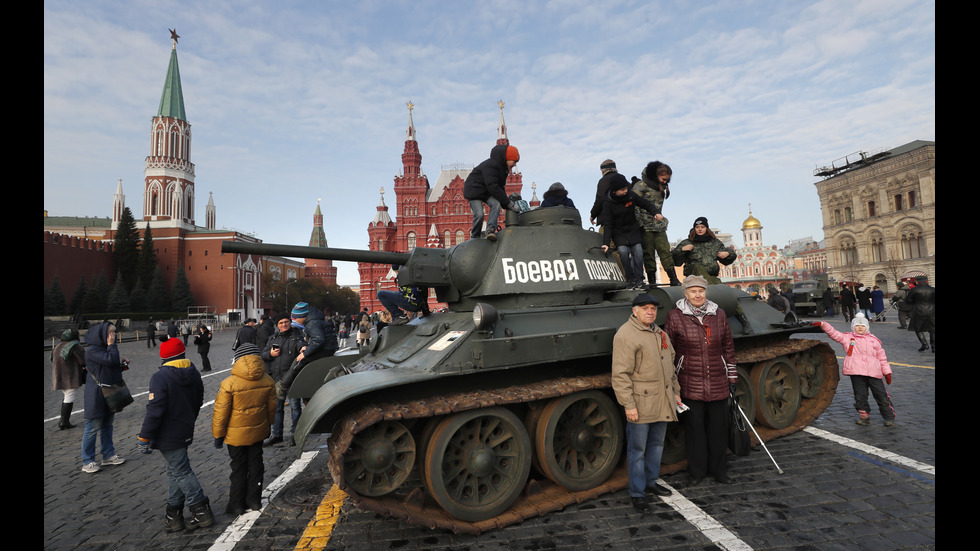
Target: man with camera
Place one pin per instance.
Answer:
(279, 354)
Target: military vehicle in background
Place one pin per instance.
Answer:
(501, 408)
(808, 295)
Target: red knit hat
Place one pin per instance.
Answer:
(171, 348)
(512, 154)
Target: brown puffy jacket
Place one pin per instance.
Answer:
(246, 404)
(705, 350)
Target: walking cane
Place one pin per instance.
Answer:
(780, 471)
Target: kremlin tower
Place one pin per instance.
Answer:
(436, 216)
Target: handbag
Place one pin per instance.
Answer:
(116, 396)
(738, 434)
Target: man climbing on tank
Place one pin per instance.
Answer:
(485, 185)
(406, 299)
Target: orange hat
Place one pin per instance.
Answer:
(512, 154)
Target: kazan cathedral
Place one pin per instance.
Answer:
(758, 266)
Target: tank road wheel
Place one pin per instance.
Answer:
(811, 373)
(743, 391)
(477, 462)
(379, 459)
(777, 388)
(578, 439)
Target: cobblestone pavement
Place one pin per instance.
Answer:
(832, 494)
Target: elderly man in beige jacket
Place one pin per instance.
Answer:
(646, 386)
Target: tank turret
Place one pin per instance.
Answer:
(501, 408)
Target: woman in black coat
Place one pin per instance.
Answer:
(203, 342)
(105, 367)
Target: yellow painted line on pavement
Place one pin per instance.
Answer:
(318, 531)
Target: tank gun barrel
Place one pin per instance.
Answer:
(324, 253)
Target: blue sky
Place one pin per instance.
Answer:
(294, 101)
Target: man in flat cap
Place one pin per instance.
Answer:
(646, 386)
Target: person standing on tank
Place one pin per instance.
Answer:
(621, 226)
(646, 385)
(701, 252)
(654, 187)
(705, 364)
(486, 185)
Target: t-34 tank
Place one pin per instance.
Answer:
(500, 408)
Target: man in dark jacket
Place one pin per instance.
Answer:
(176, 394)
(621, 226)
(265, 330)
(608, 168)
(847, 302)
(279, 354)
(485, 184)
(320, 335)
(246, 333)
(922, 297)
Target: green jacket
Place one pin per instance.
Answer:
(647, 189)
(703, 258)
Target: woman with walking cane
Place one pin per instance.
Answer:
(705, 364)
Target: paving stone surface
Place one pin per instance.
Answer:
(830, 496)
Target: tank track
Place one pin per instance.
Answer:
(540, 496)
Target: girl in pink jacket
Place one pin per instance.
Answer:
(865, 363)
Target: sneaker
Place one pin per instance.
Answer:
(889, 422)
(863, 418)
(491, 237)
(114, 460)
(272, 441)
(400, 319)
(92, 467)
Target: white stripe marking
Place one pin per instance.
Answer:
(240, 527)
(893, 457)
(712, 529)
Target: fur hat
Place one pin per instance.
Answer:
(171, 348)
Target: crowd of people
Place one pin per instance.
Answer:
(684, 371)
(249, 408)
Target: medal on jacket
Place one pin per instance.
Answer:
(663, 341)
(707, 334)
(851, 347)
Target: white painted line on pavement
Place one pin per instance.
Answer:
(884, 454)
(711, 528)
(241, 525)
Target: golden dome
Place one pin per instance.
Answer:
(751, 222)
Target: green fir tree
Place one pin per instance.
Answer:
(125, 249)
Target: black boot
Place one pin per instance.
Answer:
(922, 339)
(175, 519)
(674, 282)
(202, 517)
(65, 416)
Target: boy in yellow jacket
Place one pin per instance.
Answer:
(243, 414)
